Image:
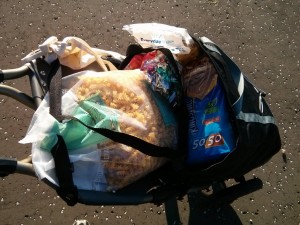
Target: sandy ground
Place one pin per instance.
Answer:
(261, 36)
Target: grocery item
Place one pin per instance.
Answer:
(121, 101)
(185, 59)
(210, 131)
(160, 69)
(156, 35)
(199, 77)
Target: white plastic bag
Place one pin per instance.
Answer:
(74, 53)
(157, 35)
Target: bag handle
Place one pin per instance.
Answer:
(76, 49)
(72, 52)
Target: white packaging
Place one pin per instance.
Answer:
(156, 35)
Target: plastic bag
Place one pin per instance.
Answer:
(74, 53)
(156, 35)
(199, 77)
(161, 72)
(211, 135)
(210, 131)
(119, 100)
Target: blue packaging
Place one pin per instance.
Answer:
(210, 134)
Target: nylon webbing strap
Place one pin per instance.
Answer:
(54, 84)
(63, 167)
(134, 142)
(1, 76)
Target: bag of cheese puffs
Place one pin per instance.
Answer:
(121, 102)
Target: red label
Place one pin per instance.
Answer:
(214, 140)
(211, 120)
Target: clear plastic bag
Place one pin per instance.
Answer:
(117, 100)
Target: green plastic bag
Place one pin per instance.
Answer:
(75, 134)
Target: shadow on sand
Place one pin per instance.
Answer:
(201, 215)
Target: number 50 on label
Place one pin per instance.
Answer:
(212, 140)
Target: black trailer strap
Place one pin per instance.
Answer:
(7, 166)
(55, 90)
(134, 142)
(64, 169)
(1, 76)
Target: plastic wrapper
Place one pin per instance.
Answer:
(161, 73)
(117, 100)
(156, 35)
(199, 77)
(210, 132)
(185, 59)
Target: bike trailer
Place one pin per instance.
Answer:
(178, 156)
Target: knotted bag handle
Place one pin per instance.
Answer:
(73, 52)
(77, 54)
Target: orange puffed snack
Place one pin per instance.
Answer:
(129, 94)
